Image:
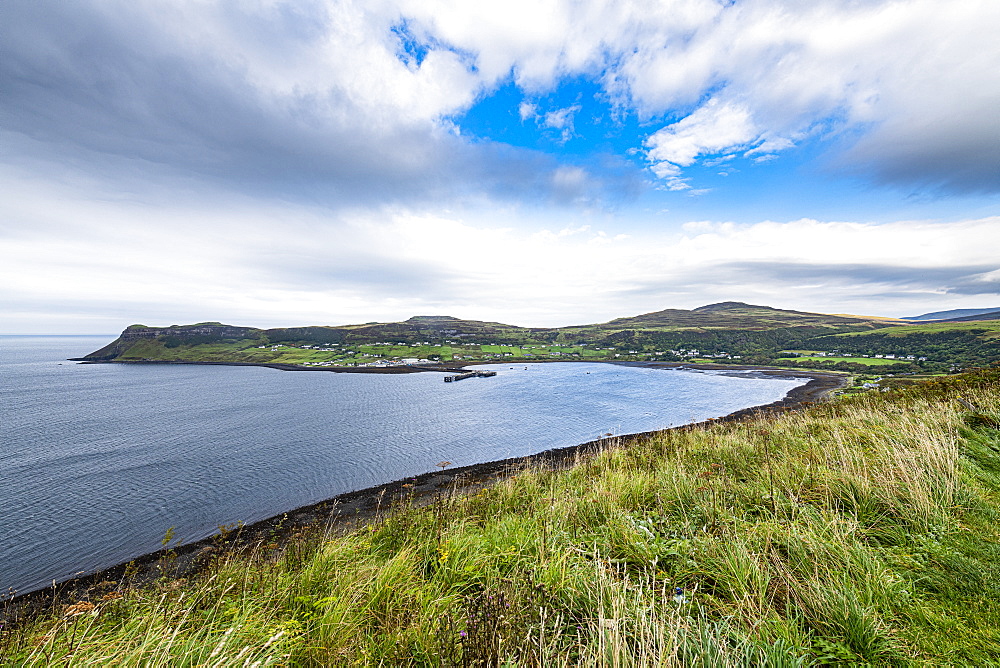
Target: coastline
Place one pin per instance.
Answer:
(350, 510)
(270, 365)
(459, 366)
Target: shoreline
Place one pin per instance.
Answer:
(350, 510)
(452, 367)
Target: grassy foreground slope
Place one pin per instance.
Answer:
(863, 531)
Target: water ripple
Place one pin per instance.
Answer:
(99, 461)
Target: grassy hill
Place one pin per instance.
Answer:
(729, 332)
(860, 532)
(733, 329)
(957, 342)
(732, 315)
(754, 333)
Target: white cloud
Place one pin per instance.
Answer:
(913, 79)
(562, 120)
(572, 183)
(909, 83)
(714, 128)
(269, 264)
(769, 146)
(360, 181)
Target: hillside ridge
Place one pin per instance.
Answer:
(729, 332)
(953, 314)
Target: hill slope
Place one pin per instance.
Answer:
(729, 328)
(991, 315)
(731, 316)
(960, 342)
(952, 314)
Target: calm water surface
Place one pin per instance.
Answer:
(97, 461)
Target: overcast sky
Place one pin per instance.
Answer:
(540, 163)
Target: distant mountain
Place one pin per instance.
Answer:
(993, 315)
(954, 313)
(733, 316)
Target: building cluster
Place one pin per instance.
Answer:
(837, 353)
(694, 352)
(497, 351)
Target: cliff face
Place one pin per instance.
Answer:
(206, 329)
(205, 332)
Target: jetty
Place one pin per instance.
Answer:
(469, 374)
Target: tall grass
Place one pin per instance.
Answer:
(857, 532)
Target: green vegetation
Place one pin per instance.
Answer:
(867, 361)
(864, 531)
(944, 344)
(728, 333)
(990, 329)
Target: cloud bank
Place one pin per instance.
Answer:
(356, 99)
(280, 162)
(244, 261)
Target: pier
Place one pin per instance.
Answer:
(469, 374)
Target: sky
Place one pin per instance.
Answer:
(539, 163)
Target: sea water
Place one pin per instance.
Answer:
(99, 461)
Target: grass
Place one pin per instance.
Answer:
(990, 329)
(248, 351)
(858, 532)
(869, 361)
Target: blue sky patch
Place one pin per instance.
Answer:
(412, 51)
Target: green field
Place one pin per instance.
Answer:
(869, 361)
(990, 329)
(946, 345)
(865, 531)
(350, 355)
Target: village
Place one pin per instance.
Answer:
(902, 357)
(393, 354)
(389, 354)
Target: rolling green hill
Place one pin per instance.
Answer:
(729, 332)
(732, 315)
(753, 333)
(954, 342)
(726, 331)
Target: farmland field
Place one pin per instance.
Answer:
(870, 361)
(988, 329)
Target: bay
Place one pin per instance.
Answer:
(98, 461)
